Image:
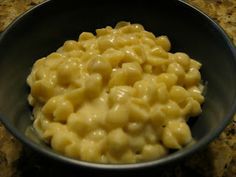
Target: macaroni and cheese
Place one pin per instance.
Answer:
(118, 96)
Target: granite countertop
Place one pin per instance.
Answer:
(216, 160)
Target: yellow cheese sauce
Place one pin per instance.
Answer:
(119, 96)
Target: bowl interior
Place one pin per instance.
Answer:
(44, 29)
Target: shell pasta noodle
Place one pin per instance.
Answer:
(119, 96)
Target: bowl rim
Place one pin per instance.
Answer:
(154, 163)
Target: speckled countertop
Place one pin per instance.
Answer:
(217, 160)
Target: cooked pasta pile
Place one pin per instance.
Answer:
(118, 96)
